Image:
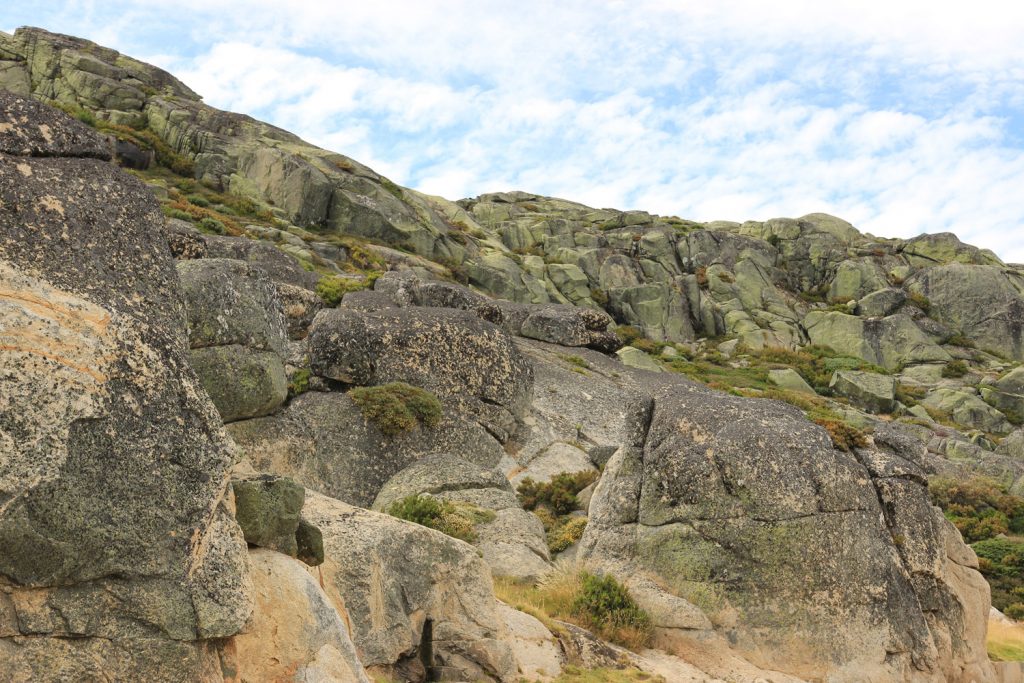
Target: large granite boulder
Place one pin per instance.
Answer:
(237, 332)
(745, 509)
(121, 559)
(869, 391)
(964, 407)
(419, 603)
(295, 634)
(322, 441)
(983, 302)
(512, 543)
(890, 342)
(463, 359)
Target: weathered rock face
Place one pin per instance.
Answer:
(100, 417)
(984, 302)
(322, 440)
(813, 561)
(296, 634)
(411, 594)
(888, 342)
(870, 391)
(453, 353)
(237, 332)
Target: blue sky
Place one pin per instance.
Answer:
(901, 117)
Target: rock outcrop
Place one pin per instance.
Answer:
(760, 544)
(121, 559)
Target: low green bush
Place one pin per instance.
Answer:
(332, 287)
(567, 531)
(213, 225)
(397, 407)
(559, 495)
(606, 602)
(457, 520)
(955, 368)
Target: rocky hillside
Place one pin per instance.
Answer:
(266, 415)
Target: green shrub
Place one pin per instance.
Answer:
(599, 296)
(844, 436)
(955, 368)
(559, 494)
(566, 532)
(959, 339)
(333, 287)
(172, 212)
(213, 225)
(1015, 611)
(397, 407)
(199, 200)
(606, 602)
(909, 394)
(979, 507)
(628, 334)
(299, 383)
(457, 520)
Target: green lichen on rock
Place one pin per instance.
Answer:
(397, 407)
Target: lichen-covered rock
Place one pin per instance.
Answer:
(438, 474)
(746, 510)
(569, 326)
(268, 508)
(869, 391)
(460, 357)
(1007, 394)
(966, 408)
(295, 634)
(984, 302)
(242, 383)
(31, 129)
(881, 303)
(513, 543)
(888, 342)
(279, 266)
(635, 358)
(322, 441)
(411, 593)
(790, 380)
(100, 417)
(231, 302)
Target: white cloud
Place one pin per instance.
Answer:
(901, 116)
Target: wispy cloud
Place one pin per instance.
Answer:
(901, 116)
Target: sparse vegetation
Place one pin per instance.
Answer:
(604, 608)
(558, 495)
(575, 361)
(565, 532)
(397, 407)
(457, 520)
(299, 382)
(990, 519)
(844, 436)
(1005, 642)
(333, 287)
(954, 369)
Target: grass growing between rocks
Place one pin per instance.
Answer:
(574, 595)
(1005, 642)
(397, 407)
(574, 674)
(457, 520)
